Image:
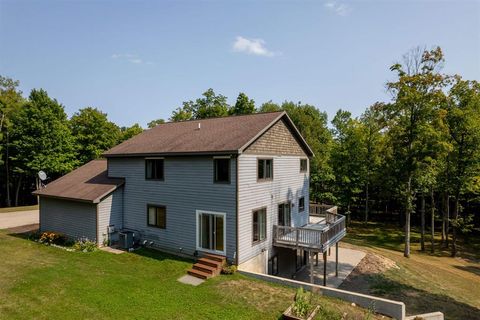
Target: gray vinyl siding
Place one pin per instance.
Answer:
(188, 186)
(75, 219)
(287, 184)
(110, 211)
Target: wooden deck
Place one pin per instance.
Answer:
(317, 236)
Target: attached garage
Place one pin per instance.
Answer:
(85, 203)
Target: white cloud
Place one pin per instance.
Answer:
(338, 8)
(252, 46)
(132, 58)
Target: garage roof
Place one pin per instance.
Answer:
(89, 183)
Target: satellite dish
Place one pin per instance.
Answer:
(42, 175)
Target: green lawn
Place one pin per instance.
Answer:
(425, 282)
(49, 283)
(12, 209)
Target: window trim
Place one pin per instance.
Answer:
(215, 170)
(151, 205)
(255, 242)
(306, 169)
(303, 209)
(265, 179)
(163, 168)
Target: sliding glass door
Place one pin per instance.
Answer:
(211, 231)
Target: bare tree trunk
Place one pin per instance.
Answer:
(447, 222)
(422, 227)
(408, 211)
(7, 174)
(454, 229)
(366, 204)
(17, 191)
(432, 226)
(444, 214)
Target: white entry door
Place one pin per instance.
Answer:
(211, 231)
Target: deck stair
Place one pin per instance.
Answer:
(208, 266)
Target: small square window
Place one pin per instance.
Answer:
(265, 169)
(301, 204)
(154, 169)
(221, 170)
(157, 216)
(303, 165)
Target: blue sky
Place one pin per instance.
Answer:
(138, 60)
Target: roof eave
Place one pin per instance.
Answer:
(170, 154)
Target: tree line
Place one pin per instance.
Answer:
(415, 156)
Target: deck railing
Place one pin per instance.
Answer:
(323, 210)
(310, 238)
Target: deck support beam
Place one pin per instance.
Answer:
(311, 266)
(325, 269)
(336, 259)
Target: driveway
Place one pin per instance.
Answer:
(18, 218)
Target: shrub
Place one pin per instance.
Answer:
(302, 305)
(85, 245)
(53, 238)
(229, 269)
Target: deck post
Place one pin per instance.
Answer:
(336, 259)
(311, 266)
(325, 268)
(316, 258)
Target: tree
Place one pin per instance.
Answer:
(41, 140)
(129, 132)
(463, 119)
(269, 107)
(155, 123)
(210, 106)
(93, 133)
(244, 105)
(372, 141)
(11, 101)
(416, 93)
(346, 158)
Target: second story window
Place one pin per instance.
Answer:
(221, 170)
(303, 165)
(265, 169)
(154, 169)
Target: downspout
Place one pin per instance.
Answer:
(237, 211)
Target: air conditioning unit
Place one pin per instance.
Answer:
(126, 239)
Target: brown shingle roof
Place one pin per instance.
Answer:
(88, 183)
(214, 136)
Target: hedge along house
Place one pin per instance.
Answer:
(234, 186)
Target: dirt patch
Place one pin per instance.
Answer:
(371, 264)
(24, 229)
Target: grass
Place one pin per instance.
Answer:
(14, 209)
(425, 282)
(44, 282)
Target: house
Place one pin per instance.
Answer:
(234, 186)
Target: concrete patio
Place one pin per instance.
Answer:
(348, 259)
